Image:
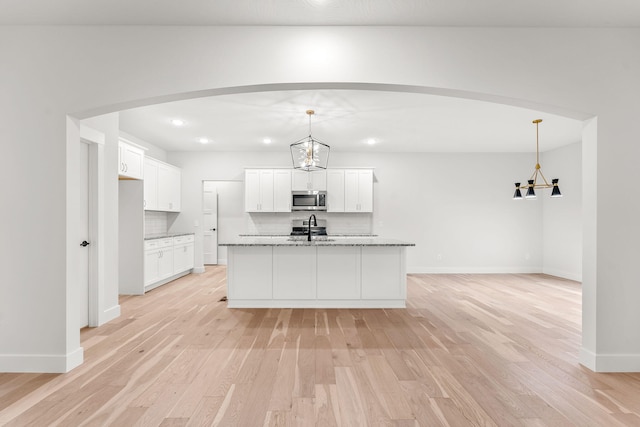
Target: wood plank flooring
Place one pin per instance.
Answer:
(469, 350)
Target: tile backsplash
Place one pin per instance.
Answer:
(155, 223)
(337, 223)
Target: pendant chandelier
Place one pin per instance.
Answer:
(308, 153)
(532, 182)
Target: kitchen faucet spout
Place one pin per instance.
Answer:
(315, 224)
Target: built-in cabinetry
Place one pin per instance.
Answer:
(130, 161)
(316, 276)
(161, 186)
(358, 190)
(309, 181)
(166, 259)
(267, 190)
(335, 190)
(349, 190)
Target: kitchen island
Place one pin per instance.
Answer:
(280, 272)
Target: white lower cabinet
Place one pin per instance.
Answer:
(183, 253)
(316, 276)
(166, 259)
(339, 273)
(294, 272)
(383, 272)
(250, 268)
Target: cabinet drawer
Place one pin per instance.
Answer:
(158, 243)
(178, 240)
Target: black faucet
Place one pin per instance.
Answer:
(315, 224)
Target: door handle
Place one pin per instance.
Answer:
(213, 229)
(84, 244)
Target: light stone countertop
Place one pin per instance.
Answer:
(286, 241)
(165, 235)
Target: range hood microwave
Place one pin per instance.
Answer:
(309, 201)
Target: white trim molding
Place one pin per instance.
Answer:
(609, 362)
(51, 363)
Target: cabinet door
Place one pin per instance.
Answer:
(150, 184)
(189, 255)
(151, 266)
(164, 187)
(134, 161)
(365, 191)
(300, 180)
(252, 190)
(335, 190)
(165, 268)
(383, 272)
(339, 272)
(351, 200)
(175, 189)
(294, 272)
(282, 190)
(266, 190)
(250, 272)
(318, 180)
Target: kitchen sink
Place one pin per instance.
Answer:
(313, 239)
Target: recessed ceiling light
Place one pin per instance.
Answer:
(203, 140)
(267, 140)
(371, 141)
(178, 122)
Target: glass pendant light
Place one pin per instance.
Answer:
(309, 153)
(532, 182)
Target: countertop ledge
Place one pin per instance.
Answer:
(284, 241)
(165, 235)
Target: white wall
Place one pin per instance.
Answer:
(562, 217)
(86, 71)
(457, 208)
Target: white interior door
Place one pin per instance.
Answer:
(82, 233)
(210, 222)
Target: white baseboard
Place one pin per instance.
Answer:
(109, 314)
(472, 270)
(610, 362)
(564, 274)
(41, 363)
(198, 270)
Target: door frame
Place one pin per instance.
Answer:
(96, 141)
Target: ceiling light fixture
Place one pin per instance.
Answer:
(267, 141)
(203, 140)
(178, 122)
(371, 141)
(309, 153)
(532, 182)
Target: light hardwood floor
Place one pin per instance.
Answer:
(468, 350)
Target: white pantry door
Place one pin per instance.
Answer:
(210, 222)
(82, 233)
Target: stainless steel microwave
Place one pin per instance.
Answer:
(309, 201)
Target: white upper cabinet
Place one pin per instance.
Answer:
(309, 181)
(258, 190)
(358, 190)
(150, 184)
(335, 190)
(168, 188)
(130, 161)
(162, 186)
(282, 190)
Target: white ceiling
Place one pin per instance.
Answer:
(502, 13)
(346, 120)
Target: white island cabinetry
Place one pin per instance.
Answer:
(341, 273)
